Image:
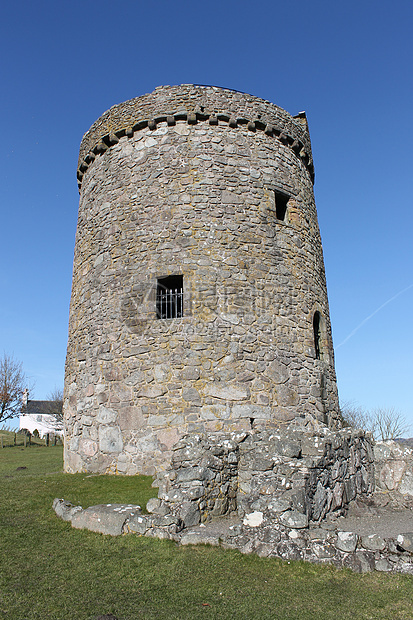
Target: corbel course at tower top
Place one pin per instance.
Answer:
(193, 104)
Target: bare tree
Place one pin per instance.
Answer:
(55, 404)
(13, 381)
(388, 423)
(355, 416)
(383, 422)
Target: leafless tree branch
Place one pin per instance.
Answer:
(355, 416)
(383, 422)
(55, 404)
(13, 381)
(388, 423)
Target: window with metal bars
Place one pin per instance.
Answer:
(170, 297)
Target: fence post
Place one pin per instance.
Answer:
(15, 439)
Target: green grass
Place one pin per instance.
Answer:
(49, 570)
(11, 439)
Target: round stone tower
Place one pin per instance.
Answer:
(199, 299)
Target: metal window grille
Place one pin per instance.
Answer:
(170, 298)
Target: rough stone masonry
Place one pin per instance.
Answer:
(199, 300)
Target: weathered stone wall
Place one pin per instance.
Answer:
(293, 476)
(185, 181)
(393, 464)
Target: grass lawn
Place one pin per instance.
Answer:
(49, 570)
(12, 439)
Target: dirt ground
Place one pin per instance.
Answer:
(385, 514)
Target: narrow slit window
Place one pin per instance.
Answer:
(317, 334)
(281, 201)
(170, 297)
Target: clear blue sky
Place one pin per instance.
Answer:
(348, 64)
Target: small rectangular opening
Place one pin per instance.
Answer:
(170, 297)
(317, 334)
(281, 201)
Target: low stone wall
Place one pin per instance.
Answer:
(393, 461)
(255, 533)
(308, 474)
(276, 494)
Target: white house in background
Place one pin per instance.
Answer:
(35, 414)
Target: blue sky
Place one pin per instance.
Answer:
(348, 64)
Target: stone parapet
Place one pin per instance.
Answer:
(193, 104)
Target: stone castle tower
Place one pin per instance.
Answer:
(199, 299)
